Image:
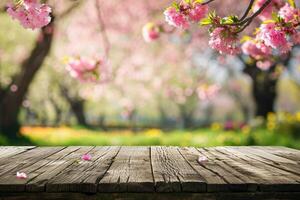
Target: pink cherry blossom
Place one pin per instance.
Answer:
(86, 157)
(272, 36)
(198, 12)
(222, 40)
(256, 50)
(289, 14)
(296, 38)
(151, 32)
(30, 14)
(202, 159)
(175, 18)
(90, 70)
(264, 65)
(21, 175)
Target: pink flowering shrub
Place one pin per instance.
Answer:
(30, 13)
(87, 70)
(151, 32)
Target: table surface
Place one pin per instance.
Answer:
(149, 169)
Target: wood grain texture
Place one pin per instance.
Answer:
(82, 176)
(19, 163)
(172, 173)
(251, 172)
(269, 176)
(130, 172)
(151, 196)
(9, 151)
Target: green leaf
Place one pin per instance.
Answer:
(245, 38)
(205, 21)
(292, 3)
(212, 15)
(274, 16)
(268, 21)
(175, 5)
(198, 1)
(18, 2)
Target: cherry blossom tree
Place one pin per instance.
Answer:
(269, 47)
(108, 54)
(31, 14)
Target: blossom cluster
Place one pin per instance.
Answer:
(207, 92)
(30, 13)
(186, 12)
(151, 32)
(276, 35)
(87, 70)
(225, 41)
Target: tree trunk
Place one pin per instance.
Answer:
(187, 117)
(78, 110)
(77, 106)
(10, 102)
(263, 89)
(58, 111)
(264, 94)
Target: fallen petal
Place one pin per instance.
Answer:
(21, 175)
(86, 157)
(202, 159)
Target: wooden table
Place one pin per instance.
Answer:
(150, 173)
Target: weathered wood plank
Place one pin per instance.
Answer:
(214, 182)
(105, 157)
(82, 176)
(172, 173)
(47, 170)
(130, 172)
(282, 164)
(233, 170)
(269, 177)
(60, 182)
(8, 179)
(9, 151)
(236, 181)
(151, 196)
(284, 152)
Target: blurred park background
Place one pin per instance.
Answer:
(174, 91)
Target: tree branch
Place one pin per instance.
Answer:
(105, 40)
(205, 3)
(248, 20)
(69, 9)
(259, 11)
(248, 10)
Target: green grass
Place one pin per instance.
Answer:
(199, 138)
